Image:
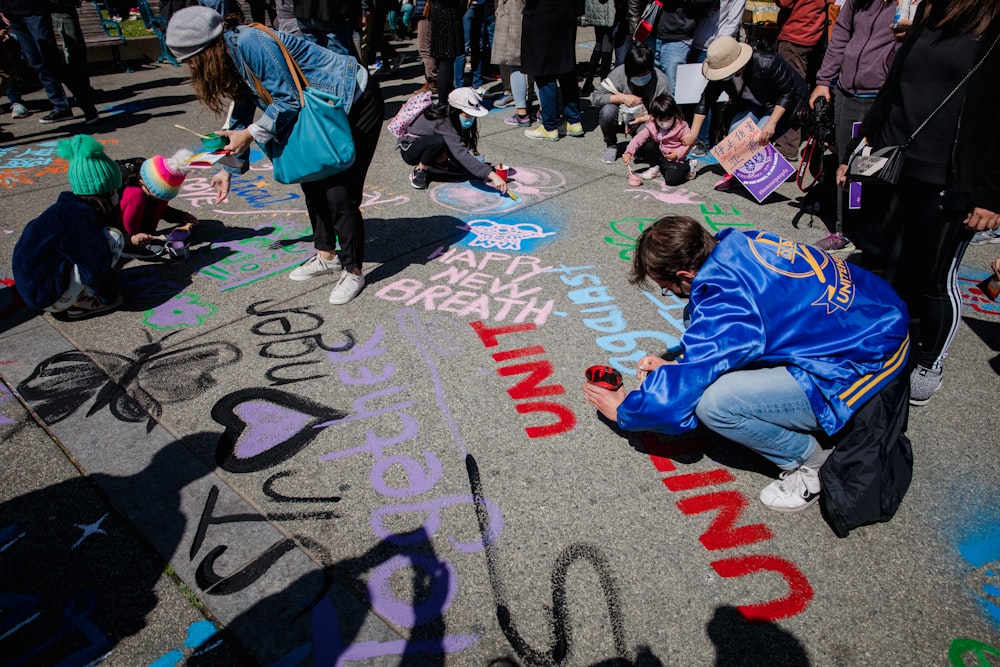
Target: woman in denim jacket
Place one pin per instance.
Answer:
(226, 62)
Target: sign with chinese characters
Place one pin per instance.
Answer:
(761, 169)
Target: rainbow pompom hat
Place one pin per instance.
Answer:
(163, 177)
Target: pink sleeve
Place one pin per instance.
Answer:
(682, 150)
(641, 137)
(132, 205)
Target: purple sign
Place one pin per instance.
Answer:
(764, 172)
(854, 189)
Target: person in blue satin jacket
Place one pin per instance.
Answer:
(784, 341)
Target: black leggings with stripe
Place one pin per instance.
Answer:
(917, 246)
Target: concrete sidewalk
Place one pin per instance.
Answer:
(384, 483)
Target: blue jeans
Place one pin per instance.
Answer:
(548, 88)
(478, 25)
(337, 36)
(38, 43)
(765, 410)
(669, 55)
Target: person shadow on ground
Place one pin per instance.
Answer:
(74, 579)
(742, 643)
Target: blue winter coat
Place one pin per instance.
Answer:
(68, 232)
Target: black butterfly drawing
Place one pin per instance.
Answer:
(133, 389)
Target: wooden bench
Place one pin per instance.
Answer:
(100, 30)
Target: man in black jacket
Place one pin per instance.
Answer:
(758, 83)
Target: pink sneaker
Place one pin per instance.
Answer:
(725, 183)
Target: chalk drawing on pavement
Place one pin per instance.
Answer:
(665, 194)
(531, 184)
(493, 235)
(972, 295)
(26, 165)
(182, 310)
(134, 388)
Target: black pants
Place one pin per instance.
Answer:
(674, 173)
(910, 238)
(334, 203)
(425, 150)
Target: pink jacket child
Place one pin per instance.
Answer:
(659, 142)
(146, 200)
(662, 148)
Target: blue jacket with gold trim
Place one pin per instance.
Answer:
(760, 301)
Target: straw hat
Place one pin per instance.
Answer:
(725, 57)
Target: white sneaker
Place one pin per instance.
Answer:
(316, 266)
(348, 287)
(793, 491)
(651, 173)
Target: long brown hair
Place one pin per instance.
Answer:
(969, 16)
(214, 76)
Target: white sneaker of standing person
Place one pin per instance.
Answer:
(316, 266)
(348, 287)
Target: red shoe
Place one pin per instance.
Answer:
(725, 183)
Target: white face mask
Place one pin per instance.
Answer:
(665, 124)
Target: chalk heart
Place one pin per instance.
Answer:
(265, 427)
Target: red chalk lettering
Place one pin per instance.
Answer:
(516, 354)
(696, 480)
(722, 533)
(530, 386)
(567, 420)
(799, 595)
(488, 335)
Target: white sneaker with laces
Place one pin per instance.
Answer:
(316, 266)
(793, 491)
(348, 287)
(651, 173)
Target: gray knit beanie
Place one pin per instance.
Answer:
(191, 30)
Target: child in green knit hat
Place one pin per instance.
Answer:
(64, 260)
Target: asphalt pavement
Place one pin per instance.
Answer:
(230, 470)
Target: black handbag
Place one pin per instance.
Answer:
(883, 166)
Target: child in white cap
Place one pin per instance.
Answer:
(451, 131)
